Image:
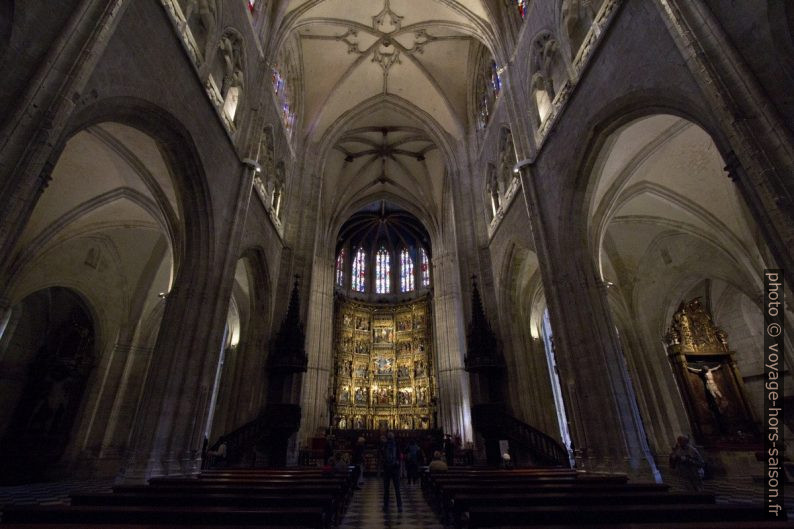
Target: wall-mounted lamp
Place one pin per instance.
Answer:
(521, 164)
(253, 165)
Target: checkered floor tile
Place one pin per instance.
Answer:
(366, 509)
(56, 493)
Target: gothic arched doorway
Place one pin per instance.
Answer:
(47, 353)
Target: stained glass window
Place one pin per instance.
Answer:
(496, 83)
(406, 271)
(251, 5)
(489, 85)
(523, 7)
(425, 268)
(382, 271)
(340, 268)
(358, 277)
(484, 110)
(283, 94)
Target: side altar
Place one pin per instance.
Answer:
(708, 377)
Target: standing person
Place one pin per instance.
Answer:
(358, 461)
(330, 447)
(412, 456)
(449, 450)
(391, 471)
(218, 454)
(380, 455)
(686, 458)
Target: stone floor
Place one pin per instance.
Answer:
(50, 493)
(366, 509)
(739, 489)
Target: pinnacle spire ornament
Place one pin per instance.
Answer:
(482, 348)
(289, 351)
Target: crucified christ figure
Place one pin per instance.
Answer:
(707, 374)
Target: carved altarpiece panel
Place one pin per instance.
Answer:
(383, 376)
(707, 375)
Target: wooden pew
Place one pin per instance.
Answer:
(306, 516)
(327, 501)
(565, 500)
(634, 525)
(583, 515)
(462, 503)
(226, 498)
(445, 500)
(441, 488)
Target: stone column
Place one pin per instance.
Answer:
(116, 429)
(607, 430)
(762, 160)
(103, 392)
(5, 315)
(319, 348)
(173, 410)
(454, 400)
(175, 406)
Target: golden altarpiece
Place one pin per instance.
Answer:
(710, 382)
(384, 366)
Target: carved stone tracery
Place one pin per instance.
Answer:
(387, 50)
(507, 161)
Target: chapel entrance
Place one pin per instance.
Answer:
(49, 349)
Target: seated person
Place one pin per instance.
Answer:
(340, 466)
(437, 464)
(688, 462)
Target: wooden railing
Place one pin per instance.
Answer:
(493, 420)
(276, 418)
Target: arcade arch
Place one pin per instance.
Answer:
(666, 225)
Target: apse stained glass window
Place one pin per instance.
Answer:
(523, 7)
(340, 269)
(496, 83)
(382, 271)
(359, 271)
(425, 268)
(406, 271)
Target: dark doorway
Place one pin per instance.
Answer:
(49, 352)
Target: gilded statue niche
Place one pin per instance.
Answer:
(709, 380)
(383, 366)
